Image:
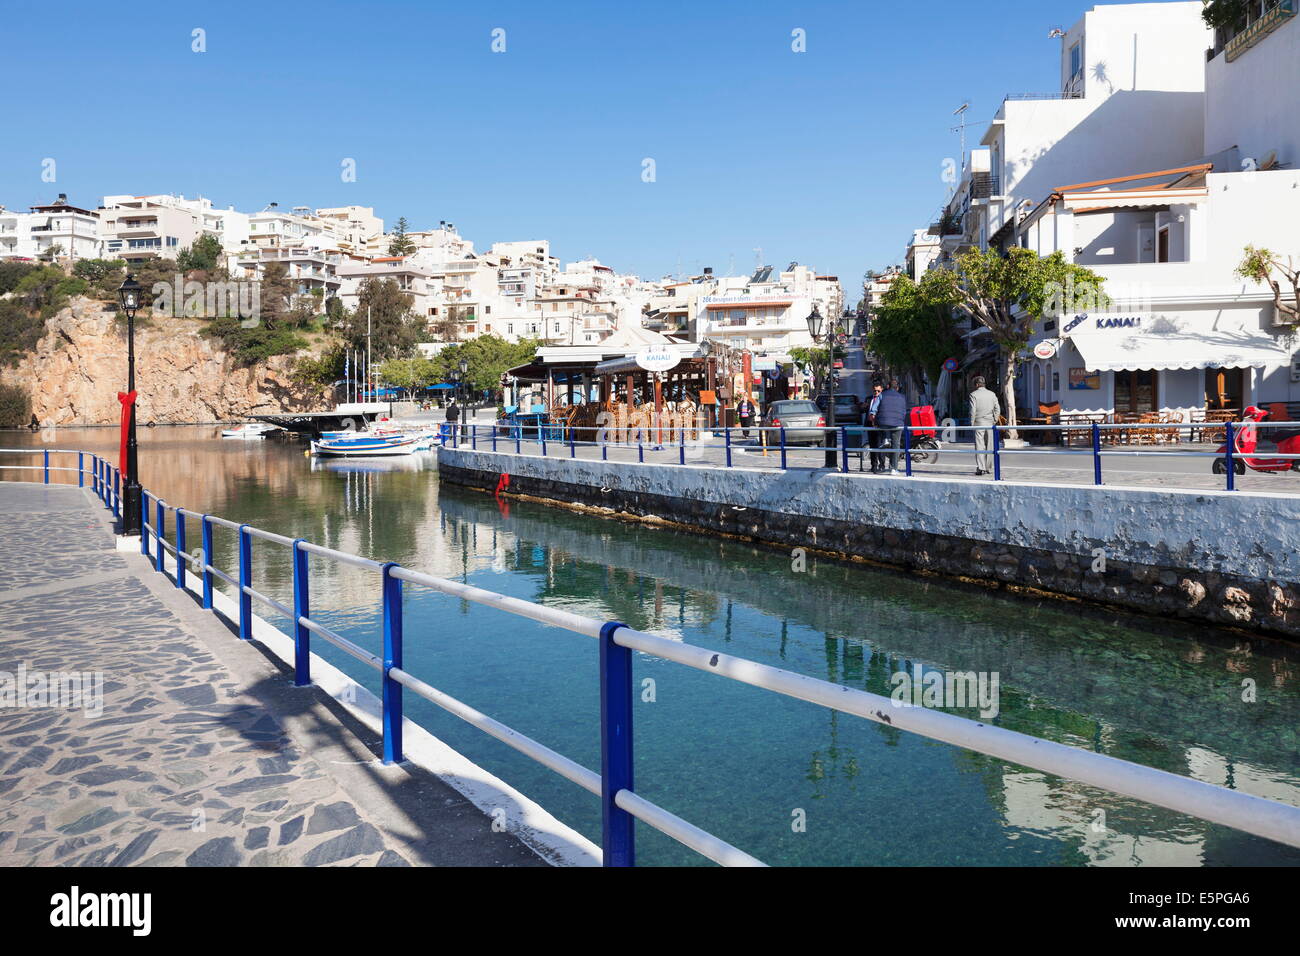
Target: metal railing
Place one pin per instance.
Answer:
(614, 784)
(915, 445)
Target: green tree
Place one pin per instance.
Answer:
(488, 357)
(401, 244)
(1259, 264)
(12, 272)
(914, 327)
(1227, 13)
(1009, 294)
(393, 327)
(204, 254)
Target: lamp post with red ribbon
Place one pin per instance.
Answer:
(129, 296)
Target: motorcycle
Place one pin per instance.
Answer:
(1251, 451)
(925, 444)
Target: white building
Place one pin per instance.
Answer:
(1132, 97)
(69, 231)
(354, 228)
(1184, 335)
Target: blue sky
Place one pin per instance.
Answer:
(829, 157)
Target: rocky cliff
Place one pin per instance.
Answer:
(79, 366)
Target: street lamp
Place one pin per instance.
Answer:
(128, 295)
(815, 330)
(463, 365)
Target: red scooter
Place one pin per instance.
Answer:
(1252, 451)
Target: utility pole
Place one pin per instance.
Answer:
(369, 350)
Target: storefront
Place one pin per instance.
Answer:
(1177, 364)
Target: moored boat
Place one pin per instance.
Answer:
(366, 446)
(249, 431)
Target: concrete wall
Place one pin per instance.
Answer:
(1251, 104)
(1229, 558)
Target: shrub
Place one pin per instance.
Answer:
(15, 406)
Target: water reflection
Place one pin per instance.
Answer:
(1164, 697)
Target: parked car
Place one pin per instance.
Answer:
(802, 420)
(846, 407)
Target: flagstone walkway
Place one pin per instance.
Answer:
(202, 752)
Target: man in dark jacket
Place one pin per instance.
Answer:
(891, 414)
(453, 421)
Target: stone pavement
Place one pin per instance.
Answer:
(202, 753)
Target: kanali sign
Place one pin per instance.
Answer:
(1084, 322)
(656, 358)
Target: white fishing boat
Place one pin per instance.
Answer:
(360, 445)
(250, 431)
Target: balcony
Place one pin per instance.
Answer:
(984, 185)
(1062, 95)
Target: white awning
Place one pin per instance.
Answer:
(1179, 348)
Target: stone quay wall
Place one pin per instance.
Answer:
(1228, 558)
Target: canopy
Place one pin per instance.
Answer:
(1179, 348)
(440, 385)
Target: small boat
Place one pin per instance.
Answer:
(365, 446)
(250, 431)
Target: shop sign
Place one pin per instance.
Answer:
(1083, 380)
(657, 359)
(1045, 350)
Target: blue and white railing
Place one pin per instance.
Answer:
(561, 441)
(614, 784)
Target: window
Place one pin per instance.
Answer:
(171, 240)
(1076, 62)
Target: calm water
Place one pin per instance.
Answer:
(737, 761)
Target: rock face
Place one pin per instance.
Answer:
(79, 366)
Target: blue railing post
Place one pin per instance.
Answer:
(681, 446)
(100, 467)
(573, 450)
(907, 450)
(640, 449)
(144, 519)
(205, 530)
(541, 433)
(392, 658)
(997, 454)
(94, 473)
(245, 581)
(1229, 453)
(519, 438)
(617, 835)
(727, 440)
(844, 449)
(81, 469)
(494, 436)
(473, 437)
(1096, 453)
(47, 466)
(182, 559)
(301, 609)
(159, 531)
(783, 454)
(117, 493)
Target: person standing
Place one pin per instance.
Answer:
(873, 437)
(453, 420)
(891, 415)
(985, 409)
(745, 412)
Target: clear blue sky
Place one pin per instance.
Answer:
(828, 157)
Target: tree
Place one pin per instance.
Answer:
(275, 296)
(204, 254)
(401, 244)
(1259, 264)
(1009, 294)
(393, 327)
(488, 358)
(15, 406)
(1226, 13)
(914, 327)
(412, 374)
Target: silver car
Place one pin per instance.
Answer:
(802, 420)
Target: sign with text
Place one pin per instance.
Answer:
(1083, 380)
(656, 358)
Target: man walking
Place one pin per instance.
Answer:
(453, 421)
(985, 409)
(745, 412)
(891, 415)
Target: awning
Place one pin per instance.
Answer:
(1180, 348)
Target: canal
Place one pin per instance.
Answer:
(787, 781)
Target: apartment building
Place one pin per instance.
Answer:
(136, 228)
(58, 228)
(354, 228)
(768, 312)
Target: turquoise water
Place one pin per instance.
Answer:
(785, 780)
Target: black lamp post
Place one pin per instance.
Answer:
(128, 295)
(815, 330)
(463, 365)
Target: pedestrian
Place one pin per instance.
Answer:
(985, 410)
(745, 412)
(873, 436)
(453, 420)
(891, 415)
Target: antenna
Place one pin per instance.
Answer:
(961, 111)
(758, 258)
